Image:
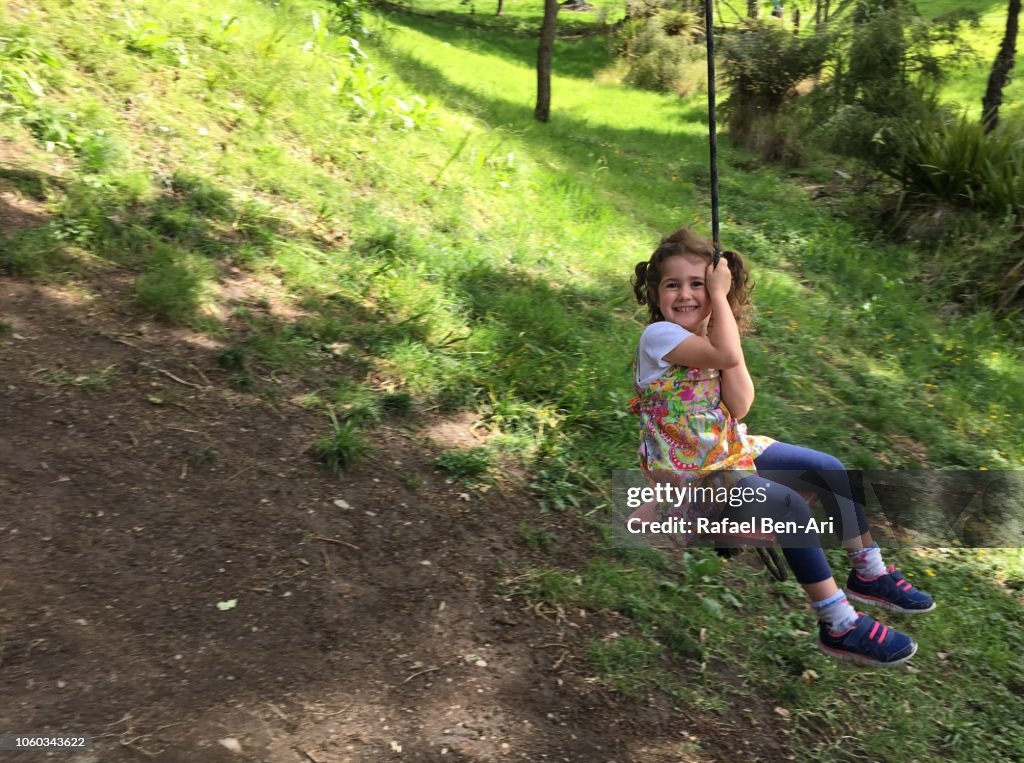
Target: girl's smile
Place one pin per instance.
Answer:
(682, 295)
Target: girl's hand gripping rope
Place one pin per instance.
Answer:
(719, 278)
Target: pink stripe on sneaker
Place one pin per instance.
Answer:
(873, 631)
(885, 631)
(842, 633)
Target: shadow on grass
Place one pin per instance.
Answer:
(22, 193)
(31, 183)
(589, 54)
(481, 16)
(192, 245)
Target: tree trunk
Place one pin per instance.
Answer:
(796, 21)
(501, 8)
(1000, 75)
(817, 12)
(752, 9)
(545, 52)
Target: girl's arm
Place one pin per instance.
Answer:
(721, 349)
(737, 386)
(737, 390)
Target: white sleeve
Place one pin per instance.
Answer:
(657, 341)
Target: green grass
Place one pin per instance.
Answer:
(341, 448)
(519, 17)
(468, 465)
(697, 619)
(202, 457)
(455, 254)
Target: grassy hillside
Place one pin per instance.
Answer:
(400, 209)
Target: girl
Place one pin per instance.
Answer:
(692, 388)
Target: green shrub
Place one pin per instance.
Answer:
(346, 17)
(964, 189)
(955, 162)
(661, 52)
(884, 79)
(892, 55)
(762, 67)
(881, 140)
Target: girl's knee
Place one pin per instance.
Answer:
(832, 464)
(782, 456)
(824, 462)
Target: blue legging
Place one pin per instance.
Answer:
(784, 471)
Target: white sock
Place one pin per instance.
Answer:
(867, 562)
(836, 612)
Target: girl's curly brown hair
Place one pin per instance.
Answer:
(686, 243)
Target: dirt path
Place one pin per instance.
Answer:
(119, 537)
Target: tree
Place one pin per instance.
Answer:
(1000, 75)
(545, 52)
(823, 10)
(752, 9)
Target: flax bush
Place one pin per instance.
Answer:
(954, 161)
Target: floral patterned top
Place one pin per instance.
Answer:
(685, 426)
(686, 431)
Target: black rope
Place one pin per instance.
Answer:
(712, 127)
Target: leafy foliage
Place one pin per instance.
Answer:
(963, 187)
(953, 160)
(660, 51)
(347, 17)
(885, 71)
(26, 70)
(762, 67)
(764, 64)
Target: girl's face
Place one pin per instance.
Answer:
(682, 295)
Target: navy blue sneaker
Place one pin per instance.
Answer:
(868, 642)
(889, 591)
